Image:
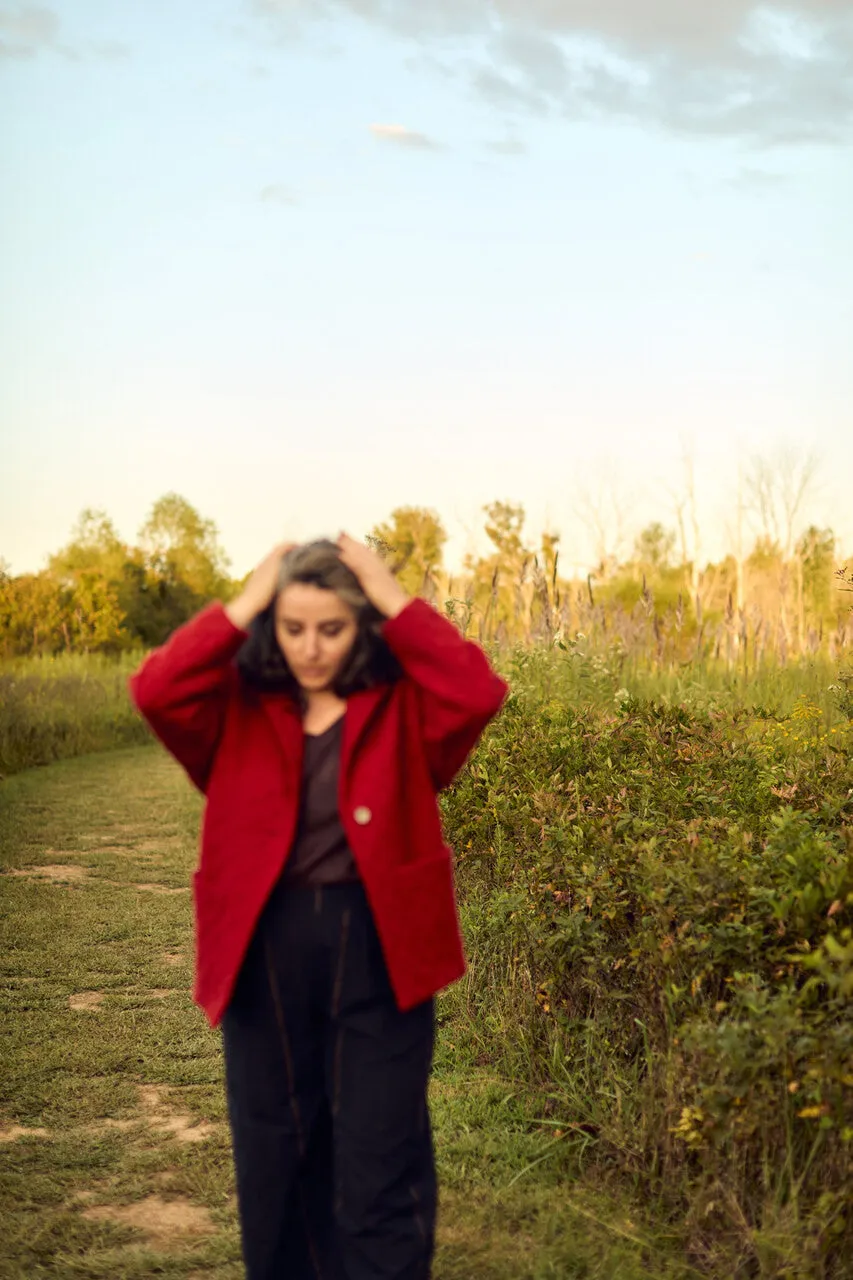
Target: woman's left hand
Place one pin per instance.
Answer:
(377, 581)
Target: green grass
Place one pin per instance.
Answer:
(118, 1087)
(578, 674)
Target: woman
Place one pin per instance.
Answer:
(320, 712)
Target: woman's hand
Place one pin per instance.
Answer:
(377, 581)
(259, 589)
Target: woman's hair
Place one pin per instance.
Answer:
(261, 662)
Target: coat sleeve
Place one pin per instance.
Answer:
(458, 692)
(182, 688)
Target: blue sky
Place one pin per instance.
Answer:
(304, 262)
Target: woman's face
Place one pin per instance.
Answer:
(315, 630)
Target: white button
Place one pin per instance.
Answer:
(362, 815)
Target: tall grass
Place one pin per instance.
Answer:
(51, 708)
(580, 674)
(54, 707)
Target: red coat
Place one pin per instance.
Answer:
(402, 743)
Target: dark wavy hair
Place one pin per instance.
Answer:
(262, 664)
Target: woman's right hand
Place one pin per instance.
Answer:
(259, 589)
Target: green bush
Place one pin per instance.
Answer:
(660, 912)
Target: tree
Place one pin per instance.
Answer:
(93, 620)
(776, 490)
(95, 547)
(654, 546)
(502, 589)
(687, 518)
(816, 555)
(603, 509)
(414, 537)
(180, 546)
(33, 608)
(504, 527)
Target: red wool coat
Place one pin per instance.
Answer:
(401, 744)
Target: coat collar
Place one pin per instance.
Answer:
(285, 715)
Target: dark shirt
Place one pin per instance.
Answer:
(320, 854)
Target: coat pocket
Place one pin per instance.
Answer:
(414, 906)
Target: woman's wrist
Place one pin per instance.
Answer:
(240, 612)
(390, 599)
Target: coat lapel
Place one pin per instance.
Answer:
(286, 720)
(361, 708)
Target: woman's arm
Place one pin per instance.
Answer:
(458, 692)
(182, 688)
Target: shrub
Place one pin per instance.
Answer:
(660, 910)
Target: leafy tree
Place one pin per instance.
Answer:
(502, 588)
(414, 538)
(95, 547)
(766, 556)
(654, 546)
(93, 619)
(816, 553)
(181, 547)
(32, 613)
(504, 529)
(90, 570)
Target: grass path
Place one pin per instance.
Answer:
(114, 1150)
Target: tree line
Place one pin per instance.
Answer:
(100, 594)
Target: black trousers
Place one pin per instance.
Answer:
(326, 1083)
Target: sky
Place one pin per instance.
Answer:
(304, 261)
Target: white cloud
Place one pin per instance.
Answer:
(26, 29)
(777, 72)
(403, 137)
(30, 29)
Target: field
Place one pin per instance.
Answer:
(648, 1071)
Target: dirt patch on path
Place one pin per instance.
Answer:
(83, 1001)
(54, 872)
(13, 1132)
(162, 1119)
(163, 1222)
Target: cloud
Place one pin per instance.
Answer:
(26, 29)
(277, 194)
(29, 29)
(756, 181)
(507, 147)
(403, 137)
(766, 73)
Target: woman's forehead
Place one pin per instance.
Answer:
(304, 602)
